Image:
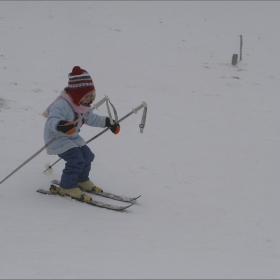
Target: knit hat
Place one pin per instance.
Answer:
(80, 84)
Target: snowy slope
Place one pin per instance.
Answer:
(207, 164)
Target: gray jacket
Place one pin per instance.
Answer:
(62, 110)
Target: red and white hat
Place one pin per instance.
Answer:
(79, 84)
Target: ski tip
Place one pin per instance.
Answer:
(108, 206)
(135, 198)
(125, 207)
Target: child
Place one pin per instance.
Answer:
(74, 101)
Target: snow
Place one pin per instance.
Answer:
(207, 164)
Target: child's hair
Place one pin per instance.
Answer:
(92, 98)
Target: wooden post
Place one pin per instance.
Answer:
(234, 59)
(241, 44)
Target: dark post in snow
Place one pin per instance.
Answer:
(235, 56)
(234, 59)
(241, 44)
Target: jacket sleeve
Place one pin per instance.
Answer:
(57, 113)
(95, 120)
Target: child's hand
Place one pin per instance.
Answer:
(115, 128)
(66, 127)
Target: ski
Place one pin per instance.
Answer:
(92, 202)
(106, 194)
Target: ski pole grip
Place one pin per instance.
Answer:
(144, 104)
(99, 103)
(143, 121)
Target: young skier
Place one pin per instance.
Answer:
(74, 101)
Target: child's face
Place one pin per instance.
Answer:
(88, 99)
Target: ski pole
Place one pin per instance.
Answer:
(144, 104)
(94, 106)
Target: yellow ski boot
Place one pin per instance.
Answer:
(75, 193)
(88, 186)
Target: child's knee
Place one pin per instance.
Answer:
(92, 156)
(87, 154)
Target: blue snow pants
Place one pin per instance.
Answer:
(77, 166)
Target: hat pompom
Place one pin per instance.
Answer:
(77, 71)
